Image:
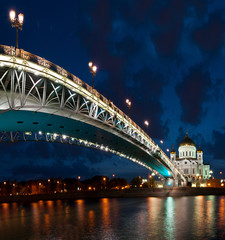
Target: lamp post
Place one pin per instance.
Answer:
(93, 70)
(128, 103)
(16, 22)
(146, 124)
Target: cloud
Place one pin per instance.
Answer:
(210, 36)
(216, 147)
(169, 21)
(57, 169)
(193, 93)
(147, 88)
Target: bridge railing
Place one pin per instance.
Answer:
(51, 66)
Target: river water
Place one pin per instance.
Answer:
(200, 217)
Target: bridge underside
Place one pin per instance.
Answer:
(29, 121)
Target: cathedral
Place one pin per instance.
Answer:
(189, 160)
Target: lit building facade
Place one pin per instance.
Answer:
(190, 160)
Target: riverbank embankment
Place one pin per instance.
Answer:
(126, 193)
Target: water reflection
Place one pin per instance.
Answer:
(141, 218)
(221, 218)
(169, 218)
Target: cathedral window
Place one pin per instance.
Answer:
(193, 171)
(185, 171)
(186, 153)
(189, 153)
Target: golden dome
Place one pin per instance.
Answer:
(199, 149)
(173, 151)
(186, 142)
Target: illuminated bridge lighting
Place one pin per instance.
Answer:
(77, 113)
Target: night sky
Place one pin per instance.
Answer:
(167, 57)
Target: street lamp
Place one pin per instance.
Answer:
(128, 102)
(161, 141)
(93, 70)
(146, 124)
(16, 22)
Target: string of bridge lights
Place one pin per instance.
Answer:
(73, 140)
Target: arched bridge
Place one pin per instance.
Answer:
(41, 101)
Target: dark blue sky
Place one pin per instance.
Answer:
(167, 57)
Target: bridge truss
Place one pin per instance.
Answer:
(31, 83)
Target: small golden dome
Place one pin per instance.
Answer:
(199, 150)
(173, 151)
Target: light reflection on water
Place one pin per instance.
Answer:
(201, 217)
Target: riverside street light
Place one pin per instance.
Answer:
(93, 70)
(16, 22)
